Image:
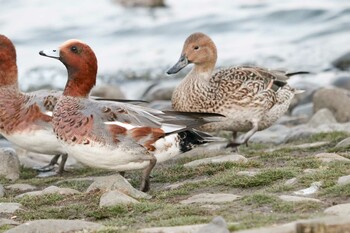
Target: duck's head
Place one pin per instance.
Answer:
(8, 65)
(198, 49)
(81, 64)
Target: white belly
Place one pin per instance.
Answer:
(39, 141)
(111, 158)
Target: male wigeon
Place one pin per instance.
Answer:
(25, 118)
(251, 98)
(116, 136)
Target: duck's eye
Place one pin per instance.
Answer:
(196, 47)
(74, 49)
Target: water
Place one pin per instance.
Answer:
(293, 34)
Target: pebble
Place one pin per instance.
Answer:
(344, 143)
(4, 221)
(322, 117)
(297, 198)
(314, 187)
(56, 225)
(217, 159)
(291, 181)
(339, 210)
(50, 190)
(116, 182)
(217, 225)
(9, 208)
(114, 197)
(343, 180)
(211, 198)
(330, 157)
(9, 165)
(303, 110)
(2, 191)
(21, 187)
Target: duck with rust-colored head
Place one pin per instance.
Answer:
(112, 135)
(25, 118)
(251, 98)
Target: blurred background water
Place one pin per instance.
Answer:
(293, 34)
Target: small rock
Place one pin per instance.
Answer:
(342, 82)
(339, 210)
(50, 190)
(107, 91)
(4, 221)
(211, 207)
(337, 100)
(112, 198)
(303, 110)
(9, 208)
(297, 199)
(211, 198)
(9, 166)
(342, 62)
(276, 134)
(248, 173)
(116, 182)
(344, 143)
(291, 181)
(330, 157)
(310, 170)
(217, 225)
(321, 117)
(159, 92)
(2, 191)
(55, 225)
(311, 190)
(343, 180)
(21, 187)
(217, 159)
(176, 229)
(300, 146)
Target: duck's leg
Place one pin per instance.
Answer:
(232, 144)
(145, 182)
(61, 166)
(51, 165)
(249, 134)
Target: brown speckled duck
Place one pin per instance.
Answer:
(251, 98)
(112, 135)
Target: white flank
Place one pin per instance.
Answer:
(168, 128)
(125, 125)
(49, 113)
(39, 141)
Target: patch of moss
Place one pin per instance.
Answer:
(259, 199)
(337, 191)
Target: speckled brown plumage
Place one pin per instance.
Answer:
(251, 98)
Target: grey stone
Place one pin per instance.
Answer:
(116, 182)
(336, 100)
(276, 134)
(291, 181)
(211, 198)
(217, 225)
(176, 229)
(342, 62)
(303, 110)
(330, 157)
(112, 198)
(218, 159)
(9, 166)
(342, 82)
(321, 117)
(179, 184)
(107, 91)
(9, 208)
(55, 225)
(300, 146)
(314, 187)
(344, 143)
(297, 198)
(50, 190)
(343, 180)
(2, 191)
(4, 221)
(339, 210)
(21, 187)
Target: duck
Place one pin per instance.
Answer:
(251, 98)
(25, 118)
(113, 135)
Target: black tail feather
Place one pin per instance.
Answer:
(192, 138)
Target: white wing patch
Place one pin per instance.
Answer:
(49, 113)
(168, 128)
(124, 125)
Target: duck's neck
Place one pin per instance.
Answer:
(79, 83)
(8, 77)
(200, 76)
